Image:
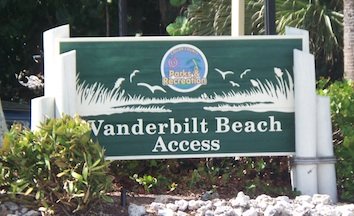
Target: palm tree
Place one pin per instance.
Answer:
(324, 21)
(322, 18)
(349, 39)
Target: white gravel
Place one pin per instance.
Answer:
(243, 205)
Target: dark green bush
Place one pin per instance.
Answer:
(228, 176)
(57, 167)
(342, 109)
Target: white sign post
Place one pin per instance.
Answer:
(237, 17)
(313, 171)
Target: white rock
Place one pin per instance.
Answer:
(32, 213)
(182, 204)
(303, 199)
(202, 210)
(271, 211)
(181, 213)
(283, 198)
(241, 200)
(165, 212)
(345, 210)
(225, 211)
(156, 206)
(172, 206)
(250, 212)
(238, 211)
(199, 214)
(263, 201)
(323, 199)
(136, 210)
(324, 210)
(253, 203)
(303, 209)
(219, 202)
(209, 213)
(283, 207)
(208, 204)
(193, 205)
(161, 199)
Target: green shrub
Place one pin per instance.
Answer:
(253, 175)
(342, 109)
(57, 167)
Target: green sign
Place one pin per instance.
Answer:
(163, 97)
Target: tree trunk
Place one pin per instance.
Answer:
(348, 39)
(3, 127)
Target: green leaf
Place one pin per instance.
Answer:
(47, 163)
(107, 199)
(85, 172)
(76, 175)
(28, 191)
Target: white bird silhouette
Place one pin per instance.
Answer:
(132, 75)
(224, 73)
(278, 72)
(234, 84)
(152, 88)
(254, 83)
(244, 73)
(118, 83)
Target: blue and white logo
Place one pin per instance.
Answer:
(184, 68)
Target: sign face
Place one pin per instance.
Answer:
(163, 97)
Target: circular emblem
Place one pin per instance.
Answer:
(184, 68)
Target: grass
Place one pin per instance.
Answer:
(96, 99)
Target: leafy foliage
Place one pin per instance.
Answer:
(57, 167)
(179, 27)
(203, 18)
(177, 3)
(342, 109)
(22, 25)
(324, 21)
(254, 176)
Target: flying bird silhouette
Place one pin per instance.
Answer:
(132, 75)
(234, 84)
(118, 83)
(224, 73)
(244, 73)
(152, 88)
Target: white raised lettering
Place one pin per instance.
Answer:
(195, 145)
(237, 127)
(205, 145)
(262, 126)
(173, 144)
(222, 125)
(95, 129)
(137, 129)
(108, 130)
(160, 145)
(274, 124)
(176, 128)
(250, 127)
(184, 145)
(215, 145)
(150, 128)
